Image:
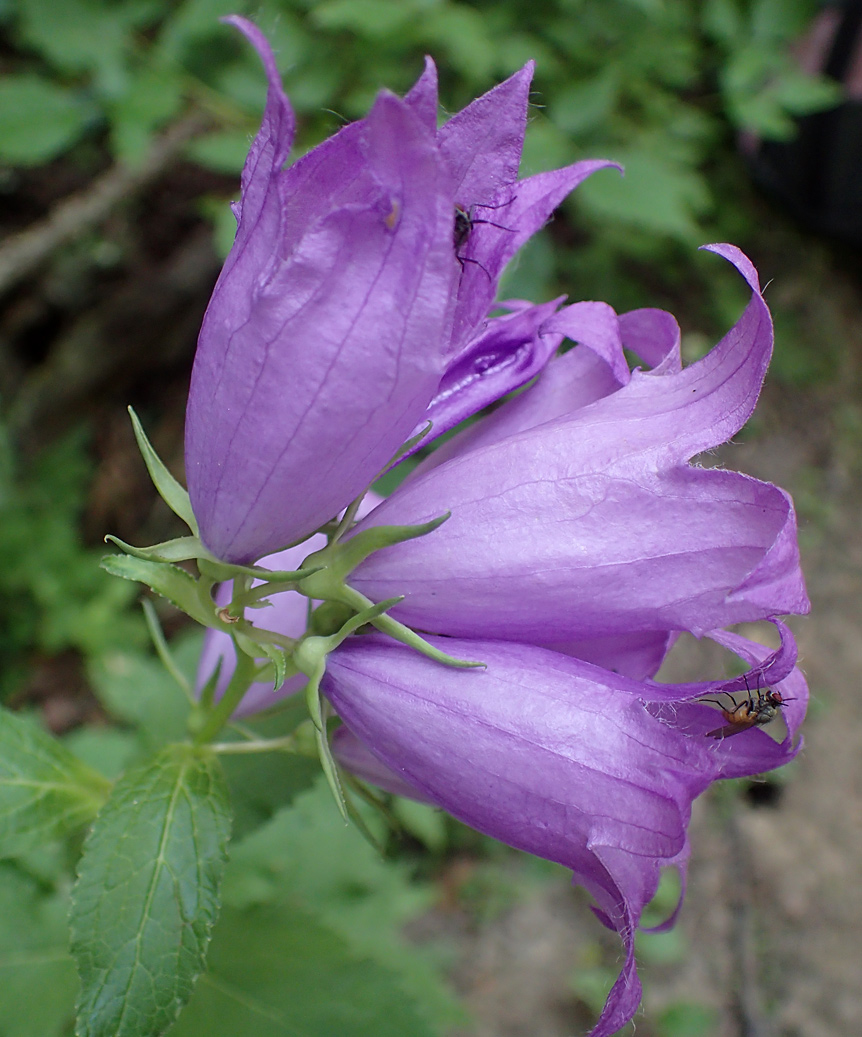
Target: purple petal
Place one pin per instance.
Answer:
(568, 382)
(422, 96)
(324, 340)
(358, 758)
(622, 534)
(654, 336)
(483, 142)
(638, 655)
(512, 350)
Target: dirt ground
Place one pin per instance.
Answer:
(773, 916)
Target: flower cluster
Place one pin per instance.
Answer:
(579, 540)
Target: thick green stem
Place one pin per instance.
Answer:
(243, 676)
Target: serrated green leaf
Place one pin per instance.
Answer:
(45, 792)
(37, 974)
(170, 581)
(276, 970)
(147, 893)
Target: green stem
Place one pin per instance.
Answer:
(243, 676)
(258, 745)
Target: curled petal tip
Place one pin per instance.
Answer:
(739, 259)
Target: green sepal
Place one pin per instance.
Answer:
(184, 549)
(310, 658)
(408, 446)
(220, 571)
(337, 560)
(181, 549)
(172, 493)
(400, 632)
(279, 664)
(170, 581)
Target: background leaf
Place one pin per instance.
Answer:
(276, 970)
(147, 894)
(37, 974)
(45, 792)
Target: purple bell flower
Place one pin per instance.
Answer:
(557, 757)
(575, 514)
(344, 301)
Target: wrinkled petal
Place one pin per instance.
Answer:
(549, 754)
(594, 369)
(654, 336)
(512, 350)
(594, 525)
(422, 96)
(324, 340)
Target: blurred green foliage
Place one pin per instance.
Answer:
(660, 86)
(53, 596)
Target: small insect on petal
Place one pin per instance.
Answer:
(760, 707)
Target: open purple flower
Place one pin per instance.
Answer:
(555, 756)
(344, 301)
(575, 514)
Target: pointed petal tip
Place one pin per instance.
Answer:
(736, 257)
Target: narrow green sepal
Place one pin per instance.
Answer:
(399, 632)
(172, 493)
(164, 653)
(170, 581)
(279, 663)
(181, 549)
(220, 571)
(330, 769)
(337, 560)
(355, 550)
(408, 446)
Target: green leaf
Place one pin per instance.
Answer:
(276, 970)
(308, 855)
(44, 791)
(38, 119)
(147, 893)
(37, 974)
(136, 688)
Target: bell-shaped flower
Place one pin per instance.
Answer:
(326, 334)
(575, 513)
(345, 300)
(556, 757)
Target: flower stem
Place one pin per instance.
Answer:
(243, 675)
